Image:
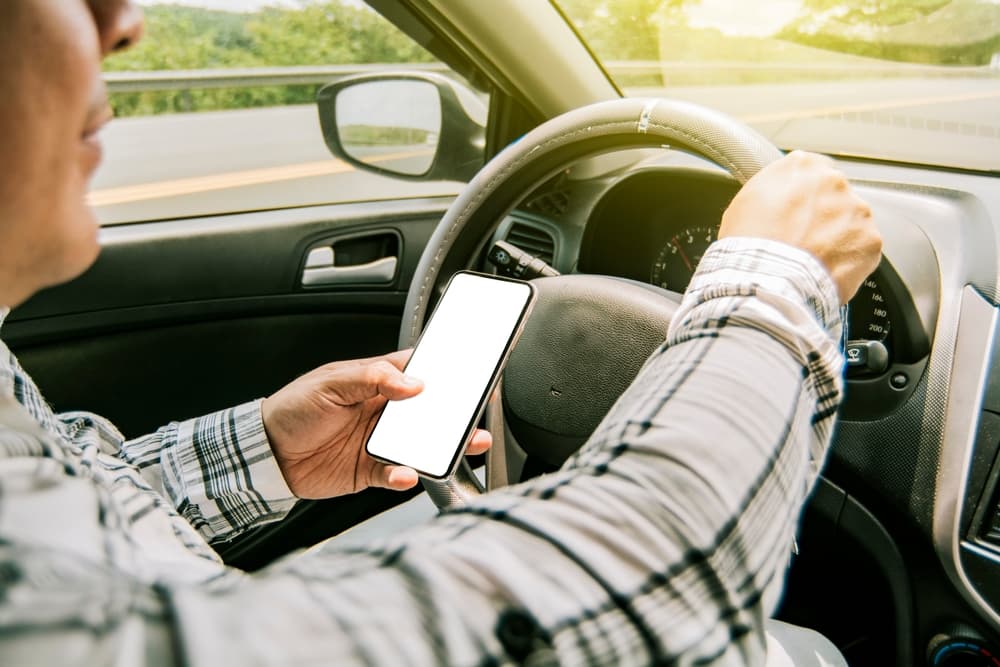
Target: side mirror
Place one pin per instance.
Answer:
(415, 125)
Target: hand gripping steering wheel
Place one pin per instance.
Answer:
(588, 335)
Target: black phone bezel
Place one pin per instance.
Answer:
(490, 386)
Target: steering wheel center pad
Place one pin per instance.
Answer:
(585, 342)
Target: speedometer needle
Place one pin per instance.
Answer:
(687, 262)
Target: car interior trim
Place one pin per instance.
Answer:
(973, 348)
(57, 327)
(249, 255)
(533, 61)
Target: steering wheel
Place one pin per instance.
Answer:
(588, 335)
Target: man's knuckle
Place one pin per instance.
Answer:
(861, 204)
(876, 243)
(371, 374)
(800, 159)
(382, 369)
(838, 181)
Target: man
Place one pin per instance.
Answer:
(649, 546)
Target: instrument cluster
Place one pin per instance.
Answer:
(654, 227)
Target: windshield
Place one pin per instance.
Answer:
(904, 80)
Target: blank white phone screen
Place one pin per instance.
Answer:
(456, 357)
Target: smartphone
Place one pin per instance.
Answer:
(459, 358)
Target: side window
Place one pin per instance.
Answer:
(216, 110)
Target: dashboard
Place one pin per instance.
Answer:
(655, 224)
(916, 447)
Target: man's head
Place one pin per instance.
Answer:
(55, 102)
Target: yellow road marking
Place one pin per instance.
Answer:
(860, 108)
(234, 179)
(186, 186)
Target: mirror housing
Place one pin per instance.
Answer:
(454, 152)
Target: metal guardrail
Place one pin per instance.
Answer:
(879, 67)
(134, 82)
(247, 77)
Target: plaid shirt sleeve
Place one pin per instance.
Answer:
(664, 540)
(218, 470)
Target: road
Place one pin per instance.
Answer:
(192, 164)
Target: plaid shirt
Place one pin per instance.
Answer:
(664, 540)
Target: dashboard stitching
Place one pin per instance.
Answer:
(647, 111)
(708, 150)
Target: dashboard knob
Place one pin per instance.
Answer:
(964, 648)
(868, 356)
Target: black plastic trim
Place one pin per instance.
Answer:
(227, 257)
(866, 533)
(64, 327)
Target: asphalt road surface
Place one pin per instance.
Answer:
(215, 162)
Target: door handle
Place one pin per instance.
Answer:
(379, 271)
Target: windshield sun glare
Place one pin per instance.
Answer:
(904, 80)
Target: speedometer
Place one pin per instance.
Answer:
(868, 317)
(678, 258)
(675, 263)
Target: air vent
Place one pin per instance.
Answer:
(552, 203)
(533, 241)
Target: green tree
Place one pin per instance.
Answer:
(871, 12)
(619, 29)
(180, 38)
(958, 32)
(328, 33)
(316, 33)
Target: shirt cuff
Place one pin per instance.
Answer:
(229, 477)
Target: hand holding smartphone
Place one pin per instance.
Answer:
(459, 358)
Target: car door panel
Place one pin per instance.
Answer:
(180, 318)
(144, 378)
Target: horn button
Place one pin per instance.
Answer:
(584, 343)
